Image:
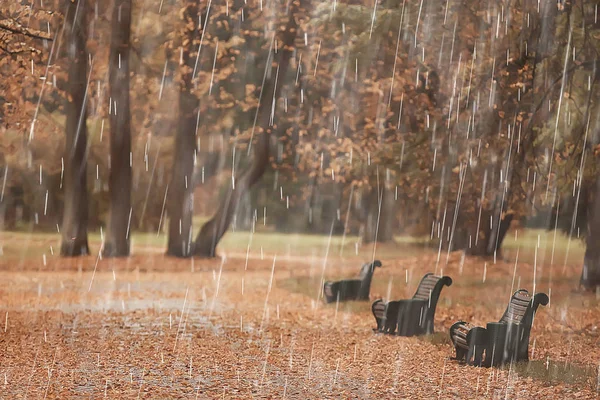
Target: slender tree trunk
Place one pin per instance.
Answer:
(590, 276)
(213, 230)
(119, 181)
(181, 188)
(75, 215)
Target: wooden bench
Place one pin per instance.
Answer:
(499, 342)
(351, 289)
(414, 316)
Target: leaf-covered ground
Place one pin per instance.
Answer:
(157, 327)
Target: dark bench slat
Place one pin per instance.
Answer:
(517, 308)
(379, 310)
(459, 333)
(422, 295)
(426, 287)
(461, 341)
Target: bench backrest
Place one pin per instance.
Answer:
(522, 307)
(366, 275)
(378, 309)
(367, 269)
(429, 285)
(517, 307)
(429, 289)
(521, 310)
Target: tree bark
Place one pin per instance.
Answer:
(590, 276)
(491, 235)
(498, 233)
(75, 215)
(213, 230)
(181, 188)
(379, 218)
(119, 180)
(388, 215)
(477, 235)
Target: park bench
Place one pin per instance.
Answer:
(351, 289)
(414, 316)
(504, 341)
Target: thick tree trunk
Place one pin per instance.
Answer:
(181, 188)
(119, 181)
(498, 233)
(75, 215)
(213, 230)
(478, 236)
(388, 216)
(491, 235)
(379, 218)
(590, 276)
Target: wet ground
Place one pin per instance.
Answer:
(156, 327)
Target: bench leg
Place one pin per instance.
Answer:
(391, 323)
(461, 353)
(477, 354)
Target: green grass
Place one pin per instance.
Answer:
(543, 246)
(552, 372)
(303, 285)
(532, 246)
(436, 338)
(22, 246)
(27, 244)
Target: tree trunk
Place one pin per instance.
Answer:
(181, 188)
(379, 216)
(491, 235)
(213, 230)
(388, 215)
(119, 181)
(590, 276)
(478, 236)
(75, 215)
(498, 233)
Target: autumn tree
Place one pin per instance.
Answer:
(454, 120)
(276, 70)
(571, 175)
(26, 43)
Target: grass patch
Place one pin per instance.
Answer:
(436, 338)
(303, 285)
(553, 372)
(27, 244)
(542, 246)
(539, 246)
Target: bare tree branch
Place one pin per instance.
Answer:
(15, 27)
